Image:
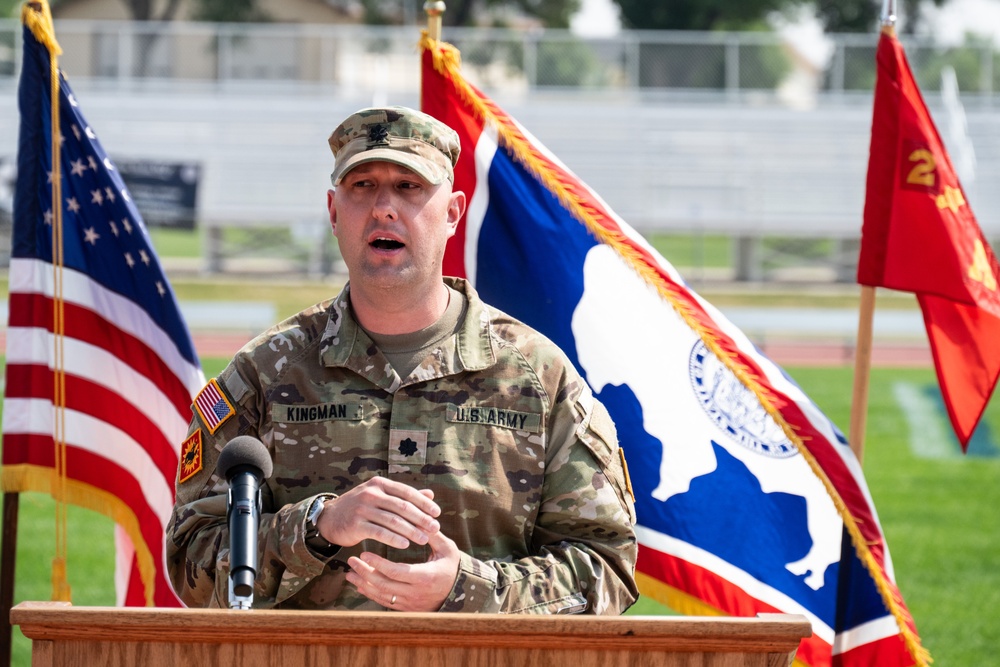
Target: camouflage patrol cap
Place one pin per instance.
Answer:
(401, 135)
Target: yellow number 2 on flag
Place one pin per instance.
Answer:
(923, 171)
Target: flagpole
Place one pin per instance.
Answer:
(866, 318)
(11, 502)
(434, 9)
(889, 14)
(39, 16)
(862, 371)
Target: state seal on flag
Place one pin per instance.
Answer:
(733, 407)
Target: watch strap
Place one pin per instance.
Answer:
(314, 540)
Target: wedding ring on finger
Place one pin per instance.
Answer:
(392, 601)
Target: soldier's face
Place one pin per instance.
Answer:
(392, 225)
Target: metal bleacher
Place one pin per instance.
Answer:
(727, 161)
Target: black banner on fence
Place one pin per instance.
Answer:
(166, 193)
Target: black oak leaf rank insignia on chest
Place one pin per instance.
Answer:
(407, 447)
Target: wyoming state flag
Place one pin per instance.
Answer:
(749, 499)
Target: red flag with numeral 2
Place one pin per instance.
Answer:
(920, 236)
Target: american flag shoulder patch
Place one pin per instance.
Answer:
(213, 406)
(191, 457)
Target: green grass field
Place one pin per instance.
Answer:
(689, 252)
(940, 517)
(711, 250)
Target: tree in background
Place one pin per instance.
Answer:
(551, 13)
(863, 15)
(145, 42)
(699, 14)
(703, 66)
(223, 11)
(229, 11)
(859, 16)
(848, 15)
(146, 10)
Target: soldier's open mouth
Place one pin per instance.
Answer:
(386, 244)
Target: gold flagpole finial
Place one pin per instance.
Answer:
(38, 17)
(434, 9)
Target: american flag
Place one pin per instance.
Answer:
(130, 368)
(213, 406)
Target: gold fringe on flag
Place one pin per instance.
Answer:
(38, 18)
(447, 62)
(682, 602)
(44, 480)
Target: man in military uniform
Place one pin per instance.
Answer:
(430, 452)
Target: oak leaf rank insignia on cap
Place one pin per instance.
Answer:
(378, 135)
(213, 406)
(407, 137)
(191, 457)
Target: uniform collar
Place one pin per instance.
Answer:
(345, 344)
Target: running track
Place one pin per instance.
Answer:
(785, 353)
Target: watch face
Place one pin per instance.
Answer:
(314, 511)
(314, 540)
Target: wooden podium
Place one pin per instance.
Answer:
(65, 635)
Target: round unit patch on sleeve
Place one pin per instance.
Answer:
(191, 457)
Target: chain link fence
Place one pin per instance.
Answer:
(732, 64)
(704, 173)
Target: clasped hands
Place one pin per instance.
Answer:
(394, 514)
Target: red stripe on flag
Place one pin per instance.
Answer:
(29, 448)
(721, 594)
(35, 310)
(108, 476)
(441, 107)
(95, 470)
(888, 652)
(135, 596)
(30, 381)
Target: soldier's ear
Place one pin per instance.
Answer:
(456, 208)
(330, 194)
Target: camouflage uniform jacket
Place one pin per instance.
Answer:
(522, 459)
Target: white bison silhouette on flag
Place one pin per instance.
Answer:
(688, 417)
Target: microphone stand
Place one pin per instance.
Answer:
(245, 464)
(244, 502)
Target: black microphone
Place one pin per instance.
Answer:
(245, 463)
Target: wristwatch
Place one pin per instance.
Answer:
(314, 540)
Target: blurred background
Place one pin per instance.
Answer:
(732, 133)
